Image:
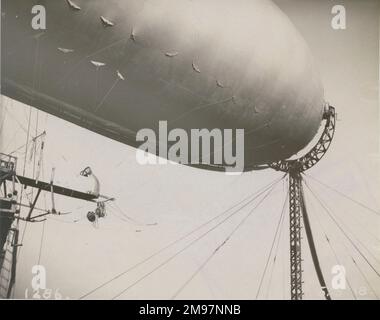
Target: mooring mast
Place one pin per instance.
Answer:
(10, 214)
(297, 206)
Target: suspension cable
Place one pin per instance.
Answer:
(219, 247)
(180, 251)
(343, 195)
(255, 195)
(328, 240)
(277, 249)
(342, 230)
(272, 246)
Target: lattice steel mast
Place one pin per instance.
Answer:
(295, 216)
(297, 206)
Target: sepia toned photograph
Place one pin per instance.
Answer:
(190, 150)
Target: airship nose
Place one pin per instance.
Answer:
(197, 64)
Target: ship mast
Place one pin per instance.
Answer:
(10, 215)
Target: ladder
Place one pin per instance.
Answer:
(7, 263)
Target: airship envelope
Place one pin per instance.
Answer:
(118, 66)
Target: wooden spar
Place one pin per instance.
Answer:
(56, 189)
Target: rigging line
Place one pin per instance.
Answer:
(38, 80)
(4, 113)
(15, 133)
(342, 194)
(36, 53)
(277, 247)
(203, 106)
(94, 53)
(274, 259)
(23, 173)
(50, 218)
(128, 223)
(228, 238)
(283, 282)
(359, 269)
(356, 238)
(35, 146)
(271, 249)
(31, 139)
(328, 240)
(312, 247)
(41, 242)
(137, 223)
(16, 120)
(182, 250)
(342, 230)
(124, 216)
(43, 224)
(24, 205)
(26, 152)
(361, 225)
(364, 277)
(106, 95)
(255, 195)
(115, 214)
(367, 186)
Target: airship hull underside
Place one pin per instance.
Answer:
(116, 67)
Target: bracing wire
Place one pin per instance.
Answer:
(364, 277)
(277, 248)
(353, 235)
(359, 223)
(171, 244)
(328, 240)
(21, 126)
(343, 195)
(219, 247)
(36, 58)
(356, 266)
(23, 173)
(2, 103)
(23, 146)
(134, 221)
(272, 247)
(43, 224)
(179, 252)
(11, 140)
(41, 243)
(342, 230)
(116, 215)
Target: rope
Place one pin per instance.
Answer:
(358, 223)
(342, 230)
(257, 194)
(334, 252)
(276, 250)
(41, 243)
(176, 254)
(204, 264)
(365, 278)
(272, 246)
(343, 195)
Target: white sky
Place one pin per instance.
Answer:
(78, 257)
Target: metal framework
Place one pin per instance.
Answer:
(315, 155)
(10, 214)
(8, 228)
(295, 215)
(297, 207)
